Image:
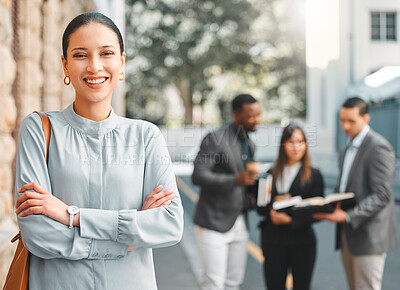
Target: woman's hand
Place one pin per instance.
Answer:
(158, 198)
(280, 218)
(37, 200)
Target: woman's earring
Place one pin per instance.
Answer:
(122, 76)
(67, 80)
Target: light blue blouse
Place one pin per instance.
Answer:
(107, 169)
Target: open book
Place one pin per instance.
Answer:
(309, 206)
(320, 201)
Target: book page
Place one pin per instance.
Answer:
(338, 196)
(317, 200)
(286, 202)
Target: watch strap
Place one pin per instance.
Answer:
(71, 220)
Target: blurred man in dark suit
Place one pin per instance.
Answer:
(219, 169)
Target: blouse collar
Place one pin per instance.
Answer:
(90, 127)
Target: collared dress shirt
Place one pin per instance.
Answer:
(244, 141)
(107, 169)
(351, 153)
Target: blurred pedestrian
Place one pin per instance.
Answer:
(220, 171)
(366, 231)
(288, 241)
(85, 215)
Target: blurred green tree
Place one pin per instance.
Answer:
(193, 45)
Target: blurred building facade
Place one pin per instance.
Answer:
(31, 78)
(347, 41)
(352, 49)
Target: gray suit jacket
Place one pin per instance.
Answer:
(372, 228)
(215, 169)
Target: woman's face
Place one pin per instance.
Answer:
(295, 147)
(94, 62)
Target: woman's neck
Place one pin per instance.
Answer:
(95, 112)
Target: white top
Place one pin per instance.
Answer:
(289, 174)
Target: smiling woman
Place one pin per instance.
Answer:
(94, 64)
(85, 216)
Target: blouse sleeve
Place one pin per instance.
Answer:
(43, 236)
(157, 227)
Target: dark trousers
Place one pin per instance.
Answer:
(278, 259)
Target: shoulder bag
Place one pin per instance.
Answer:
(18, 274)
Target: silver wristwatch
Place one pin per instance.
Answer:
(72, 210)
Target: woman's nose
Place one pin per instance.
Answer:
(94, 65)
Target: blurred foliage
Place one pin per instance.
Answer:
(209, 51)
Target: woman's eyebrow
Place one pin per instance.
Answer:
(79, 48)
(101, 47)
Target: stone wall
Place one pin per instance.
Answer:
(51, 60)
(37, 78)
(8, 114)
(7, 106)
(30, 75)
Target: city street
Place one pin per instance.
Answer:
(179, 267)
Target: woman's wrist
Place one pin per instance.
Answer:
(76, 221)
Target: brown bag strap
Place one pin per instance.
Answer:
(47, 133)
(46, 130)
(16, 238)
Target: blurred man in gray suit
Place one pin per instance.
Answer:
(368, 230)
(219, 169)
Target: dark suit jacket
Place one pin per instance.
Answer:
(299, 232)
(372, 229)
(215, 168)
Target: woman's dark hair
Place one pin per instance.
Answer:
(87, 18)
(282, 159)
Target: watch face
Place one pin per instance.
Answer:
(73, 210)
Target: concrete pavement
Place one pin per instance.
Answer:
(179, 267)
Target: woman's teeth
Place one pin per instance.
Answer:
(95, 81)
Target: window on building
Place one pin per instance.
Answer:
(383, 26)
